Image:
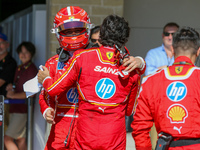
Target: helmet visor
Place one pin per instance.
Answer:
(72, 24)
(72, 32)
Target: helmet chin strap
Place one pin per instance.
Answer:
(63, 55)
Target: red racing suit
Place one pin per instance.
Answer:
(104, 97)
(64, 105)
(170, 98)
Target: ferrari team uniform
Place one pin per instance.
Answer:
(104, 97)
(170, 98)
(64, 105)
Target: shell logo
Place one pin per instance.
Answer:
(177, 113)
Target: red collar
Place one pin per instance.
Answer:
(183, 60)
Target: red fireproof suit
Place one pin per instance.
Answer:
(170, 98)
(64, 105)
(104, 97)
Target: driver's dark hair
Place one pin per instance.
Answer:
(185, 39)
(114, 31)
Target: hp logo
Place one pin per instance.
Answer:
(105, 88)
(176, 91)
(72, 95)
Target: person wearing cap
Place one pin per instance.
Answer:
(7, 65)
(7, 71)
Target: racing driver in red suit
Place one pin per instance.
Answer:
(171, 98)
(62, 106)
(104, 96)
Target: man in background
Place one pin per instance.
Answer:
(162, 56)
(94, 37)
(7, 71)
(7, 65)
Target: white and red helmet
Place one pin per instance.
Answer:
(68, 18)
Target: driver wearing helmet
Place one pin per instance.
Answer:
(72, 29)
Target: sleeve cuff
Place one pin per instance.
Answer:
(45, 79)
(45, 112)
(143, 63)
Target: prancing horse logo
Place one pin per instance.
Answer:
(178, 69)
(109, 55)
